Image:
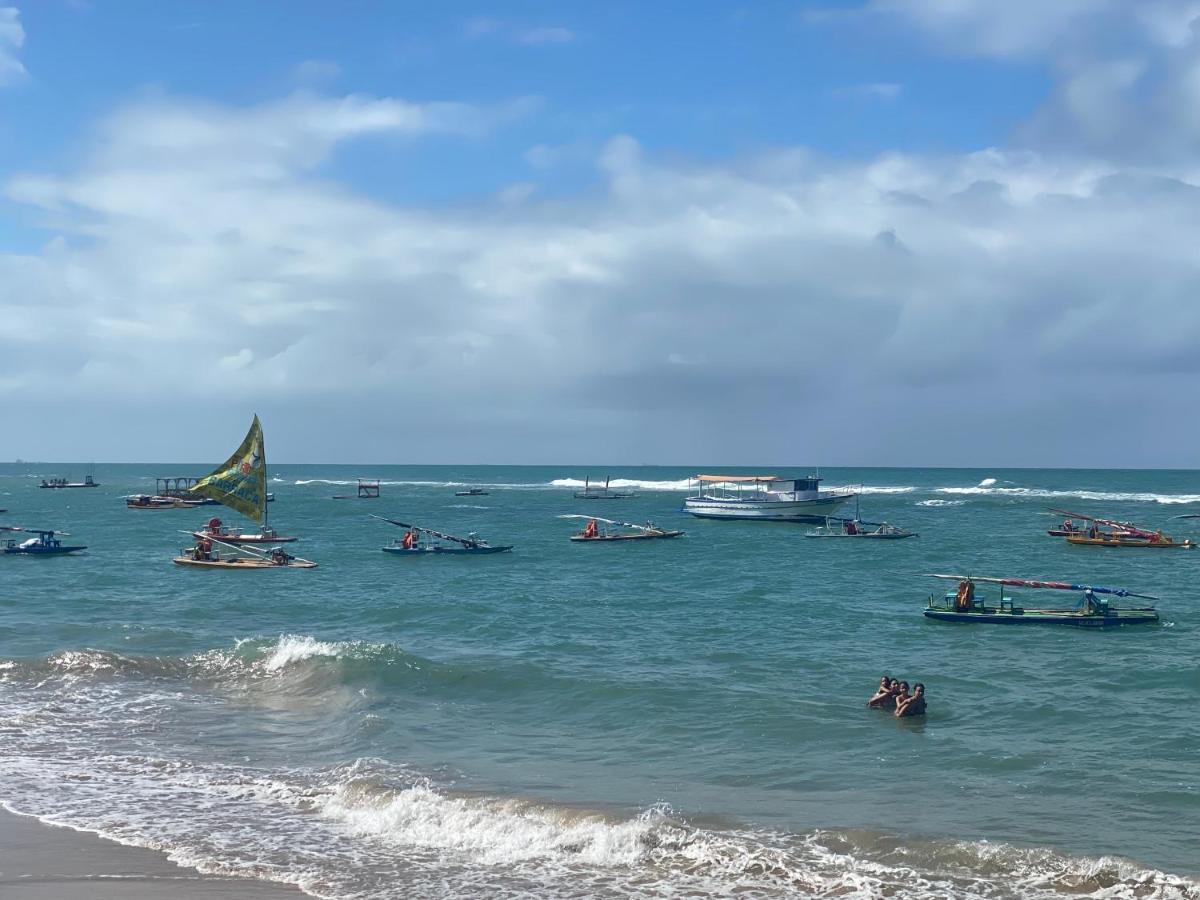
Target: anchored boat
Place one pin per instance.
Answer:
(471, 492)
(598, 530)
(762, 497)
(88, 482)
(1111, 533)
(1089, 610)
(46, 543)
(419, 541)
(604, 493)
(856, 528)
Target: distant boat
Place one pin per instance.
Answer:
(241, 484)
(46, 543)
(146, 501)
(471, 492)
(857, 528)
(762, 497)
(88, 482)
(598, 530)
(1111, 533)
(420, 541)
(368, 489)
(962, 605)
(604, 493)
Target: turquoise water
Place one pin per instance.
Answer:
(616, 720)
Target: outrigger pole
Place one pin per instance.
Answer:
(609, 521)
(265, 554)
(449, 537)
(1056, 585)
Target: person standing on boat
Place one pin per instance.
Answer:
(410, 540)
(914, 705)
(590, 530)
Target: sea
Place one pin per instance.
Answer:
(676, 718)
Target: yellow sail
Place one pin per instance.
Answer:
(241, 481)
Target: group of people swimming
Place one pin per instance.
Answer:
(894, 695)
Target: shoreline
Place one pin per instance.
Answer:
(50, 862)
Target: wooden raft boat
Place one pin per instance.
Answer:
(1092, 611)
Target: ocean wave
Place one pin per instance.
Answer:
(1078, 494)
(374, 829)
(936, 503)
(679, 484)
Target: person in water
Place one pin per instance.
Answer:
(914, 705)
(882, 697)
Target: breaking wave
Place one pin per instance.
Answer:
(375, 830)
(1078, 494)
(92, 720)
(936, 503)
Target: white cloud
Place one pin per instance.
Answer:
(903, 304)
(546, 35)
(880, 90)
(535, 35)
(12, 39)
(317, 71)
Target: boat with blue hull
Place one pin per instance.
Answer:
(46, 543)
(767, 498)
(1089, 611)
(421, 541)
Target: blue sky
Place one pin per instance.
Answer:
(609, 215)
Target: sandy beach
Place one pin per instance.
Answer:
(40, 862)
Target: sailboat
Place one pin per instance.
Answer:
(593, 531)
(241, 484)
(415, 542)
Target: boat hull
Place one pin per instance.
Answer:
(444, 551)
(253, 538)
(242, 563)
(600, 539)
(878, 537)
(1046, 617)
(1111, 542)
(809, 510)
(41, 551)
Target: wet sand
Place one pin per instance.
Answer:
(40, 862)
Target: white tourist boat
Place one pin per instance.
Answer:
(762, 497)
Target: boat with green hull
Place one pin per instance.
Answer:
(1090, 611)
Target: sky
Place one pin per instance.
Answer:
(872, 232)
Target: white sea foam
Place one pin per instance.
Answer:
(680, 484)
(292, 648)
(1078, 494)
(936, 503)
(987, 482)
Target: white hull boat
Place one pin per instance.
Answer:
(763, 497)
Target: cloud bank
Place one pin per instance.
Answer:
(12, 39)
(1027, 305)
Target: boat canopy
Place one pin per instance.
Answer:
(1052, 585)
(737, 479)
